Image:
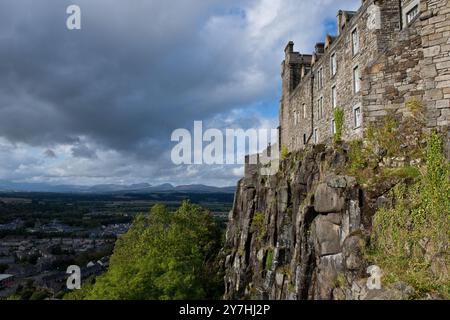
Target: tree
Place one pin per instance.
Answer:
(165, 256)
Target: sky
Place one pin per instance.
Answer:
(98, 105)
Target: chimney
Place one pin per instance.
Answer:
(320, 48)
(339, 21)
(289, 47)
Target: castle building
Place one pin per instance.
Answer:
(385, 54)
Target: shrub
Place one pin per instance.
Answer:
(339, 123)
(258, 226)
(390, 138)
(284, 152)
(269, 259)
(410, 241)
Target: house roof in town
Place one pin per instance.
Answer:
(5, 276)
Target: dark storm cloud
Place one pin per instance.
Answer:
(83, 151)
(49, 153)
(135, 72)
(115, 90)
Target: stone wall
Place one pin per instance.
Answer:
(398, 62)
(435, 67)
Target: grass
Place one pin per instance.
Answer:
(258, 226)
(410, 241)
(284, 152)
(269, 259)
(339, 123)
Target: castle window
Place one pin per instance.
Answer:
(355, 41)
(316, 136)
(357, 116)
(333, 127)
(320, 108)
(333, 64)
(333, 97)
(304, 138)
(304, 111)
(356, 80)
(320, 78)
(412, 14)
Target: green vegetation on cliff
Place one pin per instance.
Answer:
(410, 237)
(165, 255)
(338, 123)
(410, 240)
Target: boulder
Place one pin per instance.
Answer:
(352, 251)
(328, 199)
(328, 269)
(337, 182)
(326, 234)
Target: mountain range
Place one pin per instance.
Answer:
(8, 186)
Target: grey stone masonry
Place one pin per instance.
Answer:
(385, 54)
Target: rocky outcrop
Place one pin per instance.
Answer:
(299, 234)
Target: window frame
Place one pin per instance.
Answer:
(333, 64)
(356, 79)
(333, 97)
(355, 48)
(414, 8)
(320, 78)
(320, 108)
(407, 10)
(357, 117)
(333, 127)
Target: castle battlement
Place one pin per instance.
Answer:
(383, 55)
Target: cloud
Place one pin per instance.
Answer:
(49, 153)
(83, 151)
(137, 71)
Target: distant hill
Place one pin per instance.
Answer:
(141, 188)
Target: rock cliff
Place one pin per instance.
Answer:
(301, 234)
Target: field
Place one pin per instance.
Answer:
(94, 210)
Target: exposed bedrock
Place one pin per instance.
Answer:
(298, 234)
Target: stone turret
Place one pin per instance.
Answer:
(291, 68)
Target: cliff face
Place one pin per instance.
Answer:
(299, 234)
